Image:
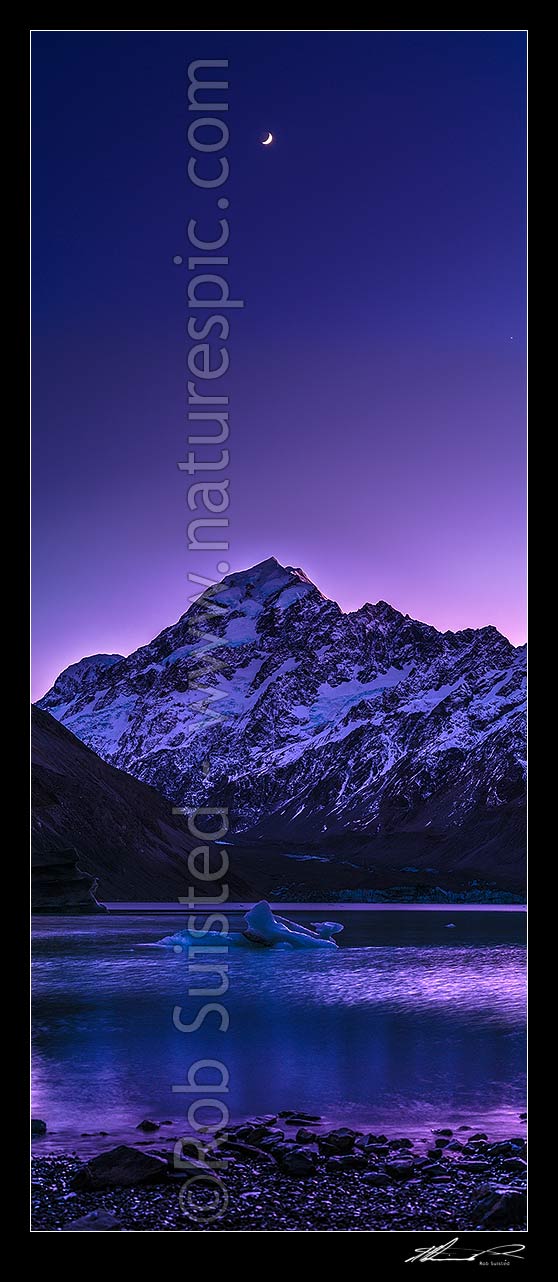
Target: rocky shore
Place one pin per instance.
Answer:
(286, 1173)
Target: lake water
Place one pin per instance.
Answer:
(412, 1022)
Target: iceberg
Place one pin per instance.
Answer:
(326, 928)
(262, 929)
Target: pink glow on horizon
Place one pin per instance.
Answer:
(377, 395)
(456, 611)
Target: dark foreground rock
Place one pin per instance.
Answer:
(121, 1167)
(95, 1222)
(296, 1161)
(285, 1187)
(336, 1143)
(296, 1119)
(497, 1206)
(306, 1136)
(400, 1170)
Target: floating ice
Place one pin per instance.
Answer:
(261, 930)
(326, 928)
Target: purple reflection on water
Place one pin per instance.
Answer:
(408, 1024)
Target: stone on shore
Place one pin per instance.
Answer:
(292, 1118)
(257, 1152)
(346, 1162)
(148, 1125)
(38, 1127)
(498, 1206)
(502, 1148)
(120, 1167)
(249, 1133)
(335, 1143)
(272, 1140)
(304, 1136)
(400, 1170)
(293, 1188)
(516, 1164)
(296, 1161)
(96, 1222)
(366, 1143)
(377, 1179)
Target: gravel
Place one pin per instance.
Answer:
(326, 1196)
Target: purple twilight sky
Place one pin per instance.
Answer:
(377, 370)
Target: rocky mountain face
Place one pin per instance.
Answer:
(92, 823)
(59, 885)
(316, 727)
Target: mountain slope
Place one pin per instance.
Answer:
(308, 723)
(122, 831)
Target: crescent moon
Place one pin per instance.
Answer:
(266, 141)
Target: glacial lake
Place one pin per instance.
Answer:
(417, 1020)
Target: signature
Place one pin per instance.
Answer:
(450, 1251)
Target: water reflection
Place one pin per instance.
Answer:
(421, 1030)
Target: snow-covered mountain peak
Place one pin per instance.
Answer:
(310, 719)
(267, 589)
(93, 663)
(382, 615)
(262, 582)
(87, 673)
(293, 569)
